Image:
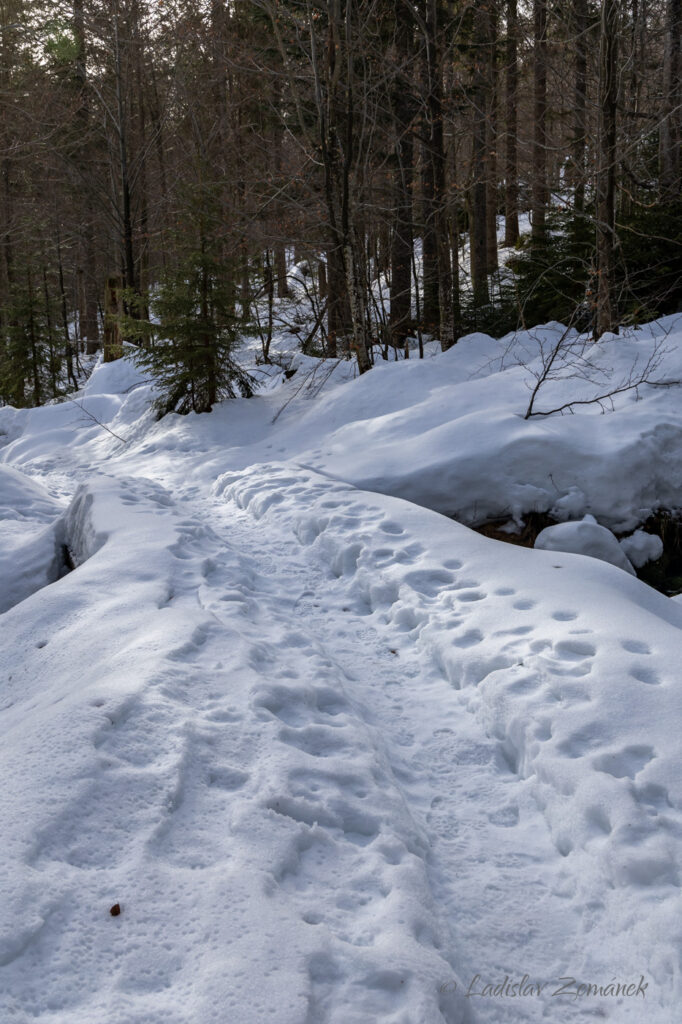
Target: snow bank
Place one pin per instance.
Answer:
(448, 432)
(30, 551)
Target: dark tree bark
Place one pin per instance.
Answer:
(436, 159)
(35, 369)
(671, 123)
(491, 139)
(577, 165)
(478, 228)
(403, 174)
(511, 192)
(89, 327)
(124, 168)
(283, 291)
(429, 212)
(605, 319)
(112, 312)
(540, 191)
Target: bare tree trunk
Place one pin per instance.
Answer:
(478, 227)
(122, 131)
(402, 235)
(436, 156)
(281, 271)
(338, 309)
(430, 311)
(491, 140)
(50, 334)
(113, 348)
(511, 193)
(539, 201)
(429, 200)
(68, 348)
(89, 327)
(33, 340)
(671, 124)
(577, 167)
(606, 171)
(280, 249)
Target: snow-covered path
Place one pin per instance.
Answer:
(339, 759)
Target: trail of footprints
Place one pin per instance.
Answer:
(238, 721)
(544, 671)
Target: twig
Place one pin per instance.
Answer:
(99, 422)
(599, 399)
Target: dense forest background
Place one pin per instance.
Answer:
(164, 165)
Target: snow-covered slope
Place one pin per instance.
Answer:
(339, 759)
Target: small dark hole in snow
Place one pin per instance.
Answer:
(41, 643)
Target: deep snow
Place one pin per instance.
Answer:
(334, 754)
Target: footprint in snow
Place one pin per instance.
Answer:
(635, 647)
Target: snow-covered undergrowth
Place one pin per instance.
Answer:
(336, 755)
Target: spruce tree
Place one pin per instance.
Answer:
(193, 361)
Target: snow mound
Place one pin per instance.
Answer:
(22, 498)
(584, 538)
(641, 547)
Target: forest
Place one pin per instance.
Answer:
(340, 511)
(164, 165)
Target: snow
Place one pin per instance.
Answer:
(29, 537)
(586, 537)
(335, 754)
(641, 547)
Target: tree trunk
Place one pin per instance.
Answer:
(671, 124)
(540, 196)
(577, 166)
(402, 235)
(89, 326)
(50, 334)
(127, 248)
(491, 140)
(430, 304)
(436, 156)
(113, 348)
(68, 348)
(511, 192)
(281, 271)
(606, 171)
(322, 278)
(35, 368)
(430, 311)
(478, 221)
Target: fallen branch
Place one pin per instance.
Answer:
(98, 422)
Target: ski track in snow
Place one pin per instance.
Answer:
(343, 762)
